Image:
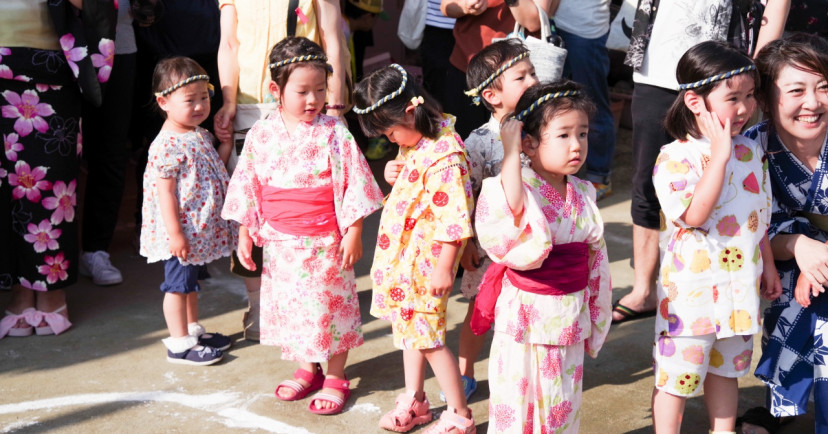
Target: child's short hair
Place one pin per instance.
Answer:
(385, 81)
(488, 60)
(798, 50)
(293, 48)
(702, 61)
(172, 70)
(536, 119)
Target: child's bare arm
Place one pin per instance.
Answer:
(351, 246)
(442, 278)
(709, 188)
(771, 285)
(224, 150)
(168, 201)
(510, 176)
(245, 249)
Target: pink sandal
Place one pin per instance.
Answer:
(55, 322)
(452, 423)
(407, 414)
(343, 386)
(315, 381)
(30, 316)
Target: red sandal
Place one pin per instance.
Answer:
(343, 386)
(315, 381)
(407, 414)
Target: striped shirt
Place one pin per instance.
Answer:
(435, 17)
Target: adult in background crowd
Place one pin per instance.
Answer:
(51, 53)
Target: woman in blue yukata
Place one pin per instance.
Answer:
(794, 95)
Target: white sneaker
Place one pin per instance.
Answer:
(97, 266)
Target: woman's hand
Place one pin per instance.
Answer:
(470, 259)
(245, 249)
(350, 249)
(392, 171)
(179, 247)
(223, 122)
(812, 260)
(474, 7)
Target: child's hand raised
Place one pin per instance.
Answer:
(804, 289)
(392, 171)
(717, 132)
(179, 247)
(510, 135)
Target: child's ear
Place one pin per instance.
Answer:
(492, 97)
(162, 102)
(273, 88)
(529, 145)
(694, 102)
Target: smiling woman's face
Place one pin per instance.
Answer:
(798, 108)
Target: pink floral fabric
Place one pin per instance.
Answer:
(309, 305)
(709, 274)
(201, 182)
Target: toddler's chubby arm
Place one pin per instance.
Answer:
(709, 188)
(245, 249)
(771, 285)
(442, 278)
(392, 171)
(510, 176)
(351, 246)
(168, 201)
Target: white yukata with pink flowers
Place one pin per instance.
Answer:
(309, 305)
(536, 360)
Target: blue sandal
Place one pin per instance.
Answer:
(469, 387)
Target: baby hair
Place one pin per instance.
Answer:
(293, 48)
(703, 61)
(535, 121)
(173, 70)
(490, 59)
(385, 81)
(799, 50)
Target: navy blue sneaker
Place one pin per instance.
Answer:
(198, 355)
(215, 340)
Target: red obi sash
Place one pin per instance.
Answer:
(564, 271)
(300, 211)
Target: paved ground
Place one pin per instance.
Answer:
(109, 374)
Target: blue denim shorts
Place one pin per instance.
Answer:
(182, 279)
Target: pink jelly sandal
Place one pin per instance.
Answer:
(407, 414)
(315, 381)
(29, 316)
(452, 423)
(55, 322)
(343, 386)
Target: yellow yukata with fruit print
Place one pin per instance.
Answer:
(431, 202)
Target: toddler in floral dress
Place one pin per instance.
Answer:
(548, 291)
(300, 190)
(424, 226)
(184, 186)
(713, 187)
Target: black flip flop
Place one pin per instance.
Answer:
(629, 314)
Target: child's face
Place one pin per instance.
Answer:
(513, 83)
(188, 106)
(563, 146)
(798, 106)
(734, 101)
(303, 95)
(404, 134)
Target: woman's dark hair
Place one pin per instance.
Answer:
(538, 118)
(802, 51)
(488, 60)
(290, 47)
(701, 61)
(146, 12)
(172, 70)
(385, 81)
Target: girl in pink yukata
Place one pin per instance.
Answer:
(184, 187)
(714, 190)
(424, 227)
(549, 290)
(300, 191)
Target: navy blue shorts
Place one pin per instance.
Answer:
(182, 279)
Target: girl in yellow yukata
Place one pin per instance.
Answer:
(423, 229)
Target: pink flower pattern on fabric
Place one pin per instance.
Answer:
(6, 73)
(104, 60)
(63, 202)
(11, 146)
(28, 110)
(43, 236)
(37, 285)
(55, 268)
(28, 182)
(73, 54)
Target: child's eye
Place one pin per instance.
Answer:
(583, 135)
(563, 136)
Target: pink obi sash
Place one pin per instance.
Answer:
(564, 271)
(300, 211)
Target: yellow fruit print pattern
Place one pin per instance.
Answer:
(700, 262)
(753, 221)
(740, 321)
(716, 358)
(731, 259)
(673, 166)
(662, 378)
(687, 383)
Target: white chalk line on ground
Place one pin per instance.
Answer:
(225, 405)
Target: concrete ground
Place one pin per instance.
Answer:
(108, 373)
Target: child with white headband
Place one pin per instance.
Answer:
(300, 191)
(548, 290)
(714, 190)
(424, 227)
(184, 189)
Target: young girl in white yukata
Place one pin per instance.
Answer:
(714, 190)
(548, 291)
(300, 190)
(424, 226)
(184, 187)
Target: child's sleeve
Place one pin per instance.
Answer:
(598, 295)
(477, 160)
(356, 192)
(675, 179)
(448, 191)
(244, 193)
(167, 160)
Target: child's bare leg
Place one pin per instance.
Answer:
(414, 363)
(470, 345)
(287, 392)
(336, 369)
(721, 395)
(446, 370)
(250, 321)
(668, 411)
(175, 314)
(192, 307)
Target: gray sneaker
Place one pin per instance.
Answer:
(97, 266)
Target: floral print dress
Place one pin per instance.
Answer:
(536, 360)
(709, 282)
(309, 304)
(431, 203)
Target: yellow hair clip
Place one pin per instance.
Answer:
(417, 100)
